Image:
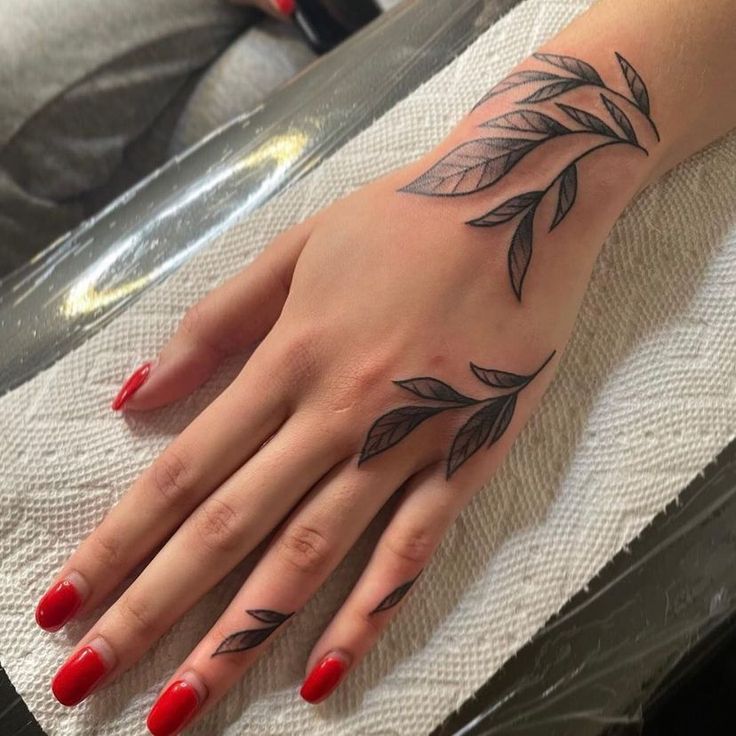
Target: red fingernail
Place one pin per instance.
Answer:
(77, 676)
(322, 680)
(175, 706)
(287, 7)
(136, 380)
(58, 605)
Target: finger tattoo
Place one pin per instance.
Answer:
(395, 596)
(479, 164)
(240, 641)
(487, 424)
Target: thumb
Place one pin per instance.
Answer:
(228, 320)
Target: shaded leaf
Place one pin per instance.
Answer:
(520, 251)
(555, 89)
(579, 68)
(269, 617)
(621, 120)
(508, 210)
(500, 379)
(516, 80)
(432, 388)
(566, 194)
(472, 166)
(527, 121)
(392, 427)
(242, 640)
(486, 425)
(587, 120)
(394, 597)
(636, 84)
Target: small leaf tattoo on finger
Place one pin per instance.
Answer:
(240, 641)
(479, 165)
(395, 596)
(487, 425)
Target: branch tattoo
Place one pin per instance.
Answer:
(250, 638)
(479, 164)
(486, 425)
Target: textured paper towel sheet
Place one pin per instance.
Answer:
(644, 398)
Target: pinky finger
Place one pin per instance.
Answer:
(427, 509)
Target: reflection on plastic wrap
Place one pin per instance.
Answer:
(624, 643)
(80, 282)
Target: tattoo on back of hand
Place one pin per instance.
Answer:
(478, 164)
(486, 425)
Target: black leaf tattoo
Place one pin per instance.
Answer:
(579, 68)
(508, 210)
(431, 388)
(240, 641)
(486, 425)
(269, 617)
(527, 121)
(394, 597)
(516, 80)
(592, 122)
(391, 428)
(554, 89)
(566, 194)
(636, 84)
(520, 252)
(473, 166)
(619, 117)
(480, 164)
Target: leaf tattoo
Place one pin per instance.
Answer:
(527, 121)
(621, 120)
(240, 641)
(486, 425)
(636, 84)
(480, 164)
(472, 166)
(395, 596)
(391, 428)
(566, 196)
(579, 68)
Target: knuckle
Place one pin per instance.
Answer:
(412, 544)
(169, 475)
(138, 615)
(196, 326)
(300, 356)
(215, 524)
(305, 549)
(106, 549)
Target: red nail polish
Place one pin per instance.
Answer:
(77, 676)
(57, 606)
(322, 680)
(136, 380)
(175, 706)
(287, 7)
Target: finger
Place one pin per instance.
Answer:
(227, 321)
(428, 506)
(218, 442)
(307, 548)
(216, 537)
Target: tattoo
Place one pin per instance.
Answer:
(395, 596)
(488, 424)
(249, 638)
(479, 164)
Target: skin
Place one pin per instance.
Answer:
(379, 286)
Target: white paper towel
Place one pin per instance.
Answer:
(645, 397)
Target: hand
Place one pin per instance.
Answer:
(399, 353)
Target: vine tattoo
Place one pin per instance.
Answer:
(249, 638)
(478, 164)
(395, 596)
(486, 425)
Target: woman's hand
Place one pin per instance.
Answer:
(401, 351)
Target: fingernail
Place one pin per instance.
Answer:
(175, 706)
(287, 7)
(136, 380)
(323, 679)
(60, 602)
(78, 676)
